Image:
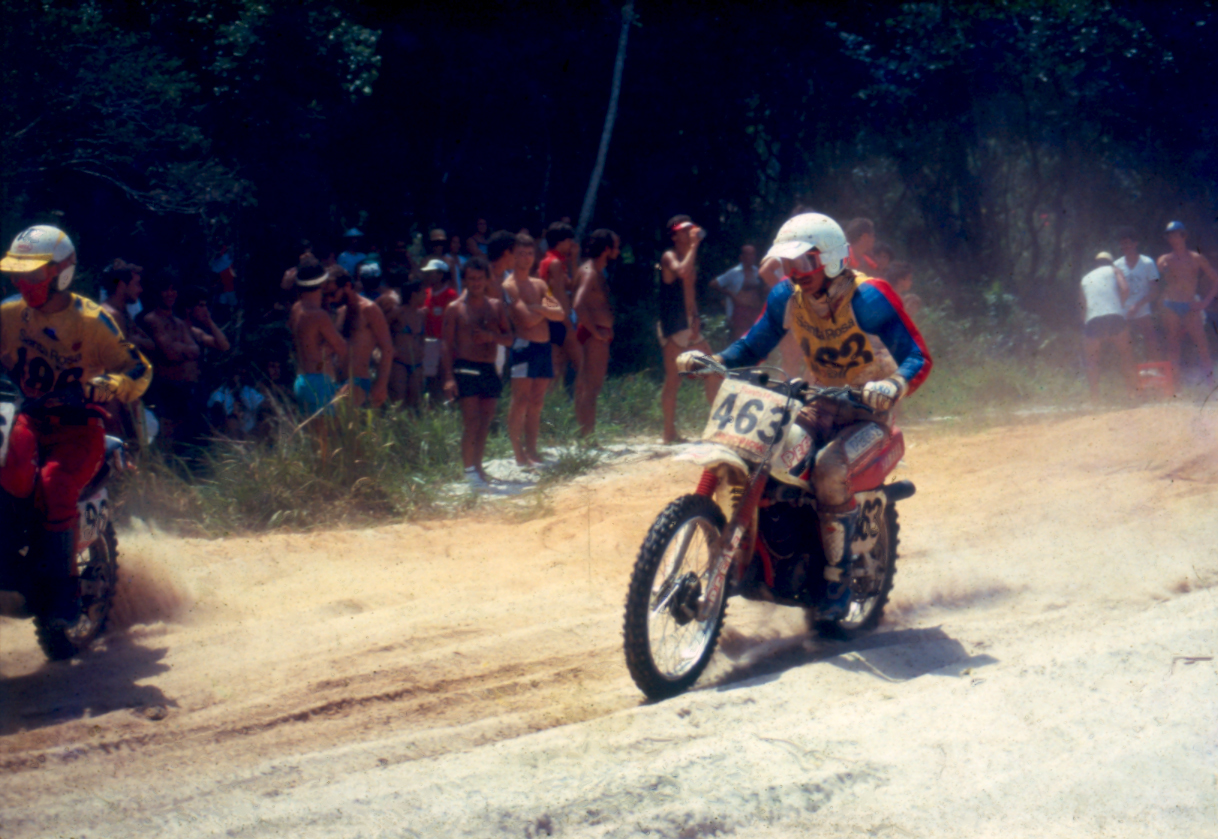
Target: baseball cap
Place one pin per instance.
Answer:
(370, 269)
(353, 233)
(35, 247)
(438, 235)
(436, 265)
(682, 226)
(1103, 256)
(1176, 227)
(311, 275)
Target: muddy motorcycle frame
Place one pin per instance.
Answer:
(95, 563)
(751, 529)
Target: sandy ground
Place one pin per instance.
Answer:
(1047, 669)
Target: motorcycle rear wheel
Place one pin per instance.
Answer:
(868, 606)
(667, 647)
(98, 575)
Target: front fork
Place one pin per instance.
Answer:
(735, 540)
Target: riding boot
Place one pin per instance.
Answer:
(60, 596)
(836, 534)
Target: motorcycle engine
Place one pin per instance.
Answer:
(792, 535)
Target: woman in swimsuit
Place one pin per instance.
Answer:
(406, 327)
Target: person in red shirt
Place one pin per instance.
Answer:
(440, 292)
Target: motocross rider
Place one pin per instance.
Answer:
(831, 310)
(53, 340)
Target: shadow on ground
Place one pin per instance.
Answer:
(894, 656)
(101, 681)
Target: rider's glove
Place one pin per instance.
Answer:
(100, 389)
(882, 395)
(692, 361)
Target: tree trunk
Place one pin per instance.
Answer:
(585, 213)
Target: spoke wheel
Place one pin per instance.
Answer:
(98, 579)
(667, 647)
(871, 587)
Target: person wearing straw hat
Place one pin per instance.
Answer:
(316, 338)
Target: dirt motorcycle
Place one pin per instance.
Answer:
(95, 565)
(751, 529)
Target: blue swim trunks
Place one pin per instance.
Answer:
(363, 384)
(314, 391)
(1180, 307)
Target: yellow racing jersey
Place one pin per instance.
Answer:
(836, 348)
(45, 352)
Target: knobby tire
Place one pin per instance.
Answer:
(56, 643)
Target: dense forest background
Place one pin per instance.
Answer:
(995, 144)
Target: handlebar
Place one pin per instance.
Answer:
(796, 387)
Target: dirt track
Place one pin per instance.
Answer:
(326, 654)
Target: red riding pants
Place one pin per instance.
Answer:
(54, 461)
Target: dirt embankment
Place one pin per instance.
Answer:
(272, 668)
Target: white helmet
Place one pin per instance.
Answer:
(813, 231)
(35, 247)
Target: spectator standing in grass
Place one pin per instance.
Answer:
(744, 290)
(900, 277)
(555, 272)
(175, 358)
(500, 252)
(531, 309)
(882, 255)
(316, 340)
(362, 325)
(680, 328)
(478, 243)
(1102, 295)
(437, 248)
(123, 286)
(474, 324)
(860, 234)
(404, 315)
(1142, 275)
(439, 294)
(1183, 307)
(595, 330)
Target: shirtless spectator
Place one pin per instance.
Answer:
(123, 286)
(1182, 310)
(554, 271)
(353, 254)
(1102, 296)
(175, 358)
(317, 341)
(474, 325)
(680, 328)
(900, 277)
(477, 244)
(595, 330)
(744, 290)
(362, 325)
(500, 251)
(1142, 275)
(882, 255)
(531, 309)
(860, 234)
(439, 293)
(210, 338)
(404, 315)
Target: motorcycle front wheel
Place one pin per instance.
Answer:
(667, 647)
(98, 579)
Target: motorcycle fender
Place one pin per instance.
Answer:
(872, 508)
(710, 455)
(94, 514)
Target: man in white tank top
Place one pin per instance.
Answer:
(1102, 296)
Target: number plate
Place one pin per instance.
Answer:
(7, 411)
(746, 418)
